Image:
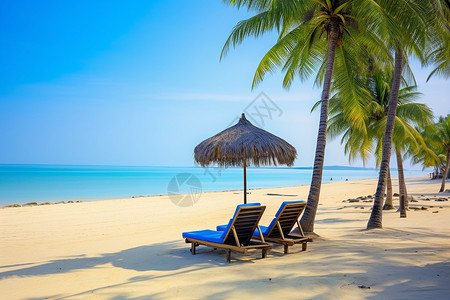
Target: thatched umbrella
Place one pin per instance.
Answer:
(244, 145)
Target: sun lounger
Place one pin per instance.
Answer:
(236, 236)
(279, 230)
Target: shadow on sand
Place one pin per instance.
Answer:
(168, 256)
(342, 266)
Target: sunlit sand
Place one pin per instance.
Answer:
(132, 248)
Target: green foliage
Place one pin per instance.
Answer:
(303, 27)
(437, 139)
(360, 143)
(367, 34)
(440, 58)
(302, 46)
(439, 54)
(368, 31)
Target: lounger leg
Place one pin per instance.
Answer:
(228, 255)
(193, 248)
(264, 253)
(286, 249)
(304, 246)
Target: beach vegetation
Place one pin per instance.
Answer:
(409, 29)
(410, 115)
(326, 38)
(437, 153)
(337, 41)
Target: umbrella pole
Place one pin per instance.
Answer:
(245, 182)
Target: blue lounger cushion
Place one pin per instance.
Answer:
(205, 235)
(256, 232)
(224, 233)
(244, 205)
(264, 229)
(212, 235)
(222, 227)
(278, 213)
(284, 204)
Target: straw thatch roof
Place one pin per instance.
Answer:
(244, 141)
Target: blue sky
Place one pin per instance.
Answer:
(140, 83)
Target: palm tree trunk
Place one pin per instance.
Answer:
(401, 184)
(388, 204)
(375, 220)
(307, 220)
(444, 176)
(405, 190)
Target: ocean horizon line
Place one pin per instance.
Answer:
(330, 167)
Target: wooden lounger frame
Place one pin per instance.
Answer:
(240, 233)
(280, 232)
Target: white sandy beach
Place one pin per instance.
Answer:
(133, 249)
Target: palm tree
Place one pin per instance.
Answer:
(440, 57)
(361, 144)
(437, 153)
(434, 154)
(409, 115)
(315, 35)
(443, 133)
(388, 203)
(407, 23)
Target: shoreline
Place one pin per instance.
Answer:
(37, 203)
(54, 184)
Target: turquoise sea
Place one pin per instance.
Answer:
(40, 183)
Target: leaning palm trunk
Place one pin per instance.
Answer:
(401, 184)
(444, 176)
(375, 220)
(307, 220)
(388, 204)
(405, 190)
